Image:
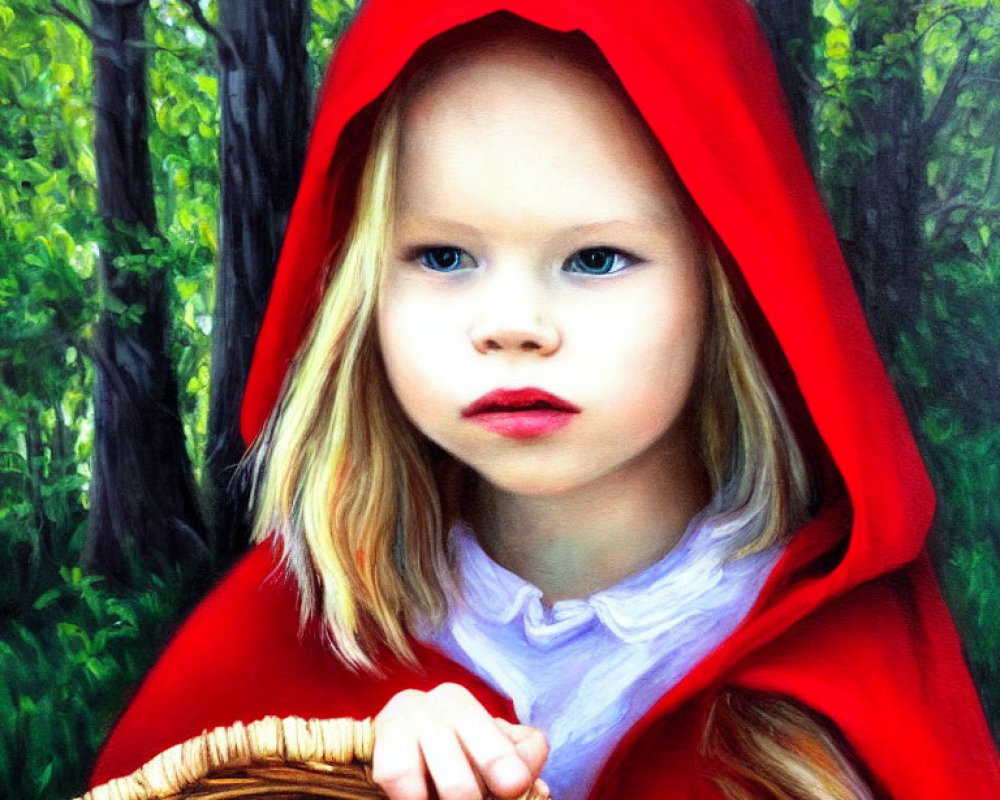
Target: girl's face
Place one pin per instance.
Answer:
(542, 311)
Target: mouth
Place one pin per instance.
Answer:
(521, 413)
(514, 400)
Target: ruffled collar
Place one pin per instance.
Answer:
(696, 578)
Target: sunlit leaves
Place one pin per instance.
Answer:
(330, 17)
(46, 271)
(837, 44)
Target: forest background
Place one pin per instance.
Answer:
(149, 151)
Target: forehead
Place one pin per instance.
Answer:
(522, 118)
(508, 57)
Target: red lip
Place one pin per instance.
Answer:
(521, 413)
(506, 400)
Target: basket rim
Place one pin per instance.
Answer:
(310, 746)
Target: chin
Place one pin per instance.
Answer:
(531, 483)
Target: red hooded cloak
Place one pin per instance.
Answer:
(850, 623)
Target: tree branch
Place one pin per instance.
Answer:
(945, 209)
(95, 37)
(64, 12)
(947, 14)
(941, 215)
(119, 3)
(983, 77)
(220, 37)
(816, 87)
(949, 94)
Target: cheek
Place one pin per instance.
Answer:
(398, 352)
(655, 334)
(678, 343)
(414, 345)
(653, 351)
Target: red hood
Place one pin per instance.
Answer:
(706, 85)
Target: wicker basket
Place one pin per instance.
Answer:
(273, 758)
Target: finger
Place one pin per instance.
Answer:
(447, 764)
(533, 748)
(491, 750)
(529, 743)
(397, 763)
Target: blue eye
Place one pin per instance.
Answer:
(445, 259)
(599, 261)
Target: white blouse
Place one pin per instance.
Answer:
(585, 671)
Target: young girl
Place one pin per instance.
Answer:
(576, 459)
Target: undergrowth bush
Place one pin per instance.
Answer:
(68, 667)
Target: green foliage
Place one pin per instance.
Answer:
(47, 293)
(71, 648)
(68, 664)
(329, 18)
(184, 143)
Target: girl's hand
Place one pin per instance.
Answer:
(447, 736)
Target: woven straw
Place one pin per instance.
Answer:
(274, 758)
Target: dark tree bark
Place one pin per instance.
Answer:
(883, 160)
(143, 502)
(36, 479)
(788, 25)
(264, 96)
(882, 235)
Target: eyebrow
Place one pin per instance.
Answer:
(654, 221)
(438, 222)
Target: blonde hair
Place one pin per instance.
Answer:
(340, 474)
(762, 487)
(767, 747)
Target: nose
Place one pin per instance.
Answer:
(544, 342)
(513, 319)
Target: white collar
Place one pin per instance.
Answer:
(696, 578)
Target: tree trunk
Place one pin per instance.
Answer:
(886, 242)
(36, 479)
(879, 211)
(143, 504)
(264, 97)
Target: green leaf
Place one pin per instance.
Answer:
(209, 84)
(47, 599)
(45, 778)
(114, 304)
(63, 73)
(837, 44)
